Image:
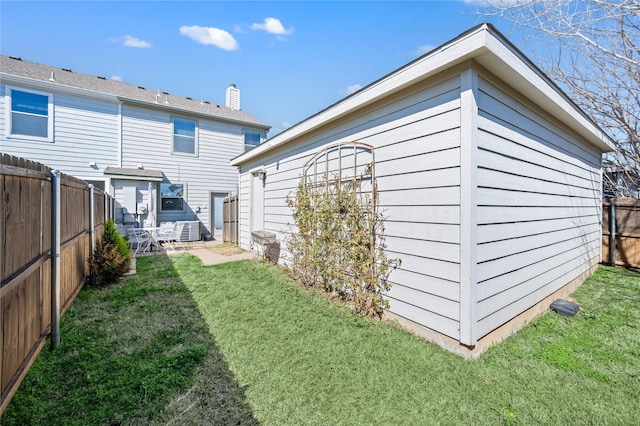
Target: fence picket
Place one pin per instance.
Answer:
(25, 246)
(627, 239)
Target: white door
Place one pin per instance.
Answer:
(216, 204)
(257, 202)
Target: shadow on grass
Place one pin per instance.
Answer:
(135, 352)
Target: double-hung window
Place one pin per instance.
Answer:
(252, 138)
(185, 136)
(30, 114)
(172, 197)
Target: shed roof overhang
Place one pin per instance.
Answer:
(147, 175)
(484, 44)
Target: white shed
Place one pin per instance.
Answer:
(488, 175)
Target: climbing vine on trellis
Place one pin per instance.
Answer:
(338, 241)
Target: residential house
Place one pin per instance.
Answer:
(164, 157)
(487, 174)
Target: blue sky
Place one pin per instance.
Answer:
(289, 59)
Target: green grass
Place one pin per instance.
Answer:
(136, 352)
(277, 354)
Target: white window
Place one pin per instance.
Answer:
(30, 114)
(185, 136)
(252, 138)
(172, 197)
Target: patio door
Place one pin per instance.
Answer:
(216, 203)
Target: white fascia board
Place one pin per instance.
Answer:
(140, 178)
(486, 48)
(52, 86)
(446, 56)
(514, 69)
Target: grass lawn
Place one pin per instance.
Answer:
(241, 343)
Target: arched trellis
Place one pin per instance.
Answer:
(341, 163)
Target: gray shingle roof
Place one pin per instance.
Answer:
(124, 91)
(141, 173)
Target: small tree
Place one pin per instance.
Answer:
(111, 258)
(338, 245)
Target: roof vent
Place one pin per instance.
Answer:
(233, 97)
(67, 69)
(17, 58)
(53, 77)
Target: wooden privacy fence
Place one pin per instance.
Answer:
(28, 244)
(626, 230)
(230, 220)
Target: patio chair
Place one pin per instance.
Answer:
(138, 238)
(171, 237)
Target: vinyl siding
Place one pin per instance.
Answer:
(539, 206)
(416, 136)
(84, 130)
(147, 140)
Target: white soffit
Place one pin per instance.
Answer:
(485, 47)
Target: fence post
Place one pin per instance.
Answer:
(92, 220)
(612, 232)
(105, 208)
(55, 259)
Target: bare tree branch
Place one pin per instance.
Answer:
(592, 50)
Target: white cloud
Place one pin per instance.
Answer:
(272, 26)
(116, 78)
(210, 36)
(279, 129)
(353, 88)
(130, 41)
(425, 48)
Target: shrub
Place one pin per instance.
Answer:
(111, 234)
(111, 257)
(339, 243)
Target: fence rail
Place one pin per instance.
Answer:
(25, 259)
(626, 230)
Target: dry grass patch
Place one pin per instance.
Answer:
(226, 249)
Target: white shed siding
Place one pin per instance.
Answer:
(84, 129)
(244, 212)
(416, 137)
(539, 206)
(147, 140)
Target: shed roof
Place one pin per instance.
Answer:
(134, 174)
(485, 45)
(18, 70)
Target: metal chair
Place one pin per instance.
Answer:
(173, 237)
(138, 238)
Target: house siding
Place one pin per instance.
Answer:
(416, 136)
(147, 140)
(488, 176)
(83, 129)
(539, 206)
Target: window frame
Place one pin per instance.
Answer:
(247, 146)
(195, 136)
(9, 114)
(162, 197)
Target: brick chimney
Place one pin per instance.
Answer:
(233, 97)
